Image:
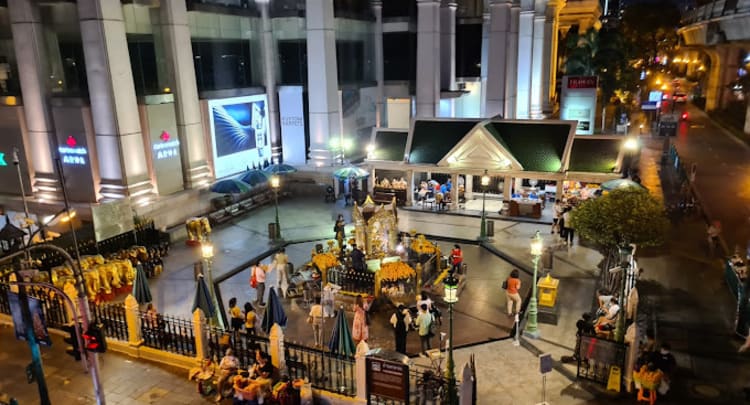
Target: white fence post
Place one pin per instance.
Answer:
(133, 320)
(276, 346)
(360, 373)
(200, 331)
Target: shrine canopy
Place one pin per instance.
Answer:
(539, 149)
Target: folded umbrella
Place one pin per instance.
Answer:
(274, 312)
(141, 290)
(341, 337)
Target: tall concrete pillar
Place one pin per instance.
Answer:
(269, 80)
(180, 72)
(523, 67)
(484, 61)
(448, 45)
(428, 57)
(410, 188)
(122, 158)
(322, 79)
(377, 10)
(495, 98)
(538, 65)
(31, 56)
(511, 81)
(731, 60)
(551, 28)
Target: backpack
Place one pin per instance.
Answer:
(253, 280)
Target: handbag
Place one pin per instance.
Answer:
(253, 280)
(505, 284)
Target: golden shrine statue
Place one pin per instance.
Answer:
(375, 227)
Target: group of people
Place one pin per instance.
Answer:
(427, 315)
(433, 189)
(239, 319)
(561, 221)
(655, 366)
(259, 374)
(258, 276)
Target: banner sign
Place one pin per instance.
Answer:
(578, 102)
(37, 319)
(387, 380)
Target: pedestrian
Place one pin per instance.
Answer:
(431, 307)
(339, 230)
(401, 320)
(235, 315)
(557, 211)
(152, 316)
(250, 318)
(457, 258)
(665, 361)
(424, 322)
(713, 230)
(281, 261)
(315, 319)
(259, 275)
(568, 227)
(358, 259)
(512, 296)
(360, 324)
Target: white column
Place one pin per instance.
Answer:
(360, 370)
(428, 57)
(32, 60)
(322, 79)
(200, 331)
(484, 61)
(511, 64)
(269, 80)
(507, 183)
(181, 73)
(448, 45)
(377, 10)
(133, 321)
(523, 67)
(454, 191)
(409, 188)
(498, 49)
(276, 346)
(538, 66)
(119, 143)
(469, 187)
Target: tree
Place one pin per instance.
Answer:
(621, 217)
(651, 28)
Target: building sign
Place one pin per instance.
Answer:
(168, 148)
(387, 380)
(292, 115)
(239, 128)
(2, 160)
(71, 153)
(578, 102)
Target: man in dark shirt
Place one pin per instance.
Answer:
(358, 259)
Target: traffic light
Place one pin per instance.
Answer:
(95, 340)
(72, 340)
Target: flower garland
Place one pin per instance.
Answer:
(325, 260)
(423, 246)
(396, 271)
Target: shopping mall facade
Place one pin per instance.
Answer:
(153, 100)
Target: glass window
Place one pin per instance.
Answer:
(222, 64)
(399, 8)
(350, 61)
(293, 61)
(143, 64)
(400, 55)
(468, 50)
(74, 68)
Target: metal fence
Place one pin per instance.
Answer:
(112, 319)
(597, 356)
(324, 369)
(53, 305)
(242, 344)
(351, 280)
(168, 333)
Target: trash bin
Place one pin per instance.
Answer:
(490, 228)
(272, 231)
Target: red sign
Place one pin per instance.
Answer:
(164, 136)
(582, 82)
(71, 141)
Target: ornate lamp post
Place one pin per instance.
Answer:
(450, 296)
(483, 227)
(207, 253)
(625, 252)
(532, 329)
(275, 184)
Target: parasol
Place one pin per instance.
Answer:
(255, 177)
(202, 298)
(230, 186)
(274, 312)
(620, 184)
(279, 168)
(351, 172)
(341, 337)
(141, 290)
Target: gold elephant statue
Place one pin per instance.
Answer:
(198, 229)
(104, 277)
(112, 270)
(60, 274)
(125, 270)
(91, 278)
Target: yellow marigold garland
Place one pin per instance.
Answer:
(395, 271)
(423, 246)
(325, 260)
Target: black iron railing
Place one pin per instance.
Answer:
(351, 280)
(168, 333)
(325, 370)
(242, 344)
(112, 319)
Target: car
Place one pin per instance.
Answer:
(679, 98)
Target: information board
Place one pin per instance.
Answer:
(386, 380)
(112, 218)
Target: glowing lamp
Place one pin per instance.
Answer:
(631, 143)
(207, 250)
(485, 179)
(275, 182)
(536, 244)
(450, 294)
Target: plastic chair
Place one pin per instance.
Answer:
(651, 398)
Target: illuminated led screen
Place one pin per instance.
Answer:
(239, 127)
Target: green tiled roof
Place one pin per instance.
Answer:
(537, 146)
(594, 155)
(390, 145)
(432, 140)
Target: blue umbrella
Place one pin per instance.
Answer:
(341, 337)
(351, 172)
(141, 290)
(279, 168)
(274, 312)
(230, 186)
(202, 298)
(255, 177)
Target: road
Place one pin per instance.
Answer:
(722, 177)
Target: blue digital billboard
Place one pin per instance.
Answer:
(239, 128)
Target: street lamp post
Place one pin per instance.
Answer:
(275, 184)
(625, 252)
(483, 226)
(532, 329)
(207, 253)
(450, 296)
